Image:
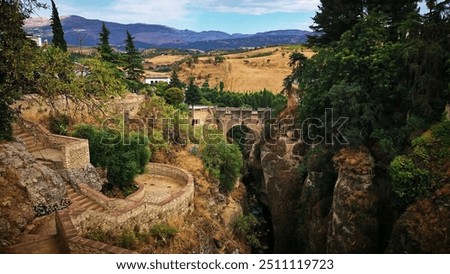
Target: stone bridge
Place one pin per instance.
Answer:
(225, 118)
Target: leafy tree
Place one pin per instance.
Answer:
(175, 82)
(58, 32)
(133, 60)
(223, 162)
(56, 75)
(174, 96)
(368, 71)
(104, 48)
(17, 65)
(124, 157)
(102, 80)
(336, 17)
(192, 94)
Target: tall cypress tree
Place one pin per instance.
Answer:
(133, 59)
(58, 32)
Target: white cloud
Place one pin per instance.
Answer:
(164, 11)
(176, 13)
(255, 7)
(156, 11)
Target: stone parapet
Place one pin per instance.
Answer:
(75, 151)
(137, 212)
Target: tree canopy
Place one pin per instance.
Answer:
(124, 157)
(17, 66)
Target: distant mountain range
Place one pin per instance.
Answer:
(78, 29)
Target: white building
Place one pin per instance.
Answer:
(152, 80)
(36, 38)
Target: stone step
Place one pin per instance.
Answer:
(87, 204)
(35, 148)
(71, 191)
(94, 207)
(28, 139)
(21, 134)
(79, 198)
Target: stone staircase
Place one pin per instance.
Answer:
(31, 142)
(80, 202)
(49, 157)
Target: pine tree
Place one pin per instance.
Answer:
(104, 48)
(192, 94)
(58, 32)
(133, 59)
(175, 81)
(398, 13)
(334, 18)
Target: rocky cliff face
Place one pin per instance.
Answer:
(87, 175)
(348, 210)
(24, 185)
(354, 224)
(425, 226)
(43, 185)
(275, 162)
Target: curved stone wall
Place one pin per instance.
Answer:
(136, 212)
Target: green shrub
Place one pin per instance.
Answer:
(418, 173)
(219, 59)
(98, 235)
(223, 162)
(245, 227)
(124, 157)
(128, 239)
(408, 181)
(163, 232)
(59, 124)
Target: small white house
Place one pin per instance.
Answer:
(36, 38)
(153, 80)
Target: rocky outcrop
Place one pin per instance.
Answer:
(275, 161)
(354, 221)
(24, 185)
(44, 186)
(313, 218)
(16, 211)
(87, 175)
(425, 226)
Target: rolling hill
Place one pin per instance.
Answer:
(86, 31)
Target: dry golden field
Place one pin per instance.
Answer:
(249, 71)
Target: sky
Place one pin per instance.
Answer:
(231, 16)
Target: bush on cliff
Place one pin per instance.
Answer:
(425, 168)
(223, 162)
(124, 157)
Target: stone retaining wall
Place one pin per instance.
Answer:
(74, 244)
(75, 151)
(136, 212)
